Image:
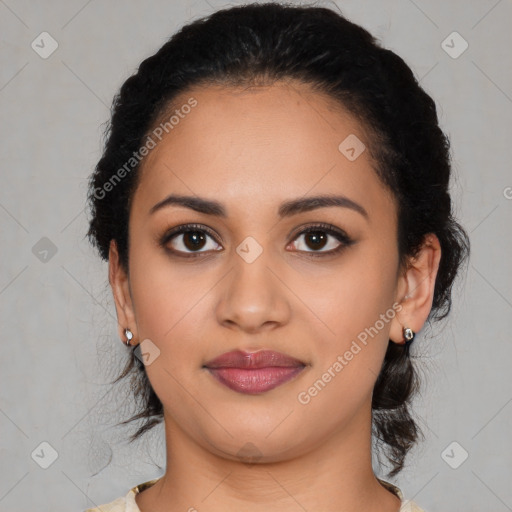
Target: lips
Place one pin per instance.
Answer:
(261, 359)
(254, 372)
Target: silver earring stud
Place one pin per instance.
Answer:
(409, 335)
(129, 336)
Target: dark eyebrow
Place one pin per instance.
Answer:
(286, 209)
(198, 204)
(307, 204)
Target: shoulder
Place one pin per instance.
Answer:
(410, 506)
(119, 505)
(125, 503)
(128, 504)
(406, 505)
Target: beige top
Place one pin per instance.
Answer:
(128, 504)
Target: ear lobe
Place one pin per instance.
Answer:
(119, 282)
(416, 289)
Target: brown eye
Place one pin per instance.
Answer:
(322, 236)
(189, 239)
(316, 239)
(193, 240)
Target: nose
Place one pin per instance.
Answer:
(253, 297)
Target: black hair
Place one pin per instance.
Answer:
(259, 44)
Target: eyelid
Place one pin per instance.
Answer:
(319, 226)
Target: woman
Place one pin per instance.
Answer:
(273, 201)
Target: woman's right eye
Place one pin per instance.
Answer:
(189, 237)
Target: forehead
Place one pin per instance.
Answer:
(259, 145)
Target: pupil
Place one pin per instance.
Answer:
(318, 237)
(197, 238)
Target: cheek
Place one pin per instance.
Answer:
(349, 298)
(167, 305)
(356, 309)
(172, 303)
(161, 292)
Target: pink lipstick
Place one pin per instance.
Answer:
(254, 372)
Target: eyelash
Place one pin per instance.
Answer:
(329, 229)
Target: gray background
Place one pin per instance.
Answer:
(60, 346)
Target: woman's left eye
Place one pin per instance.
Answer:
(317, 237)
(190, 238)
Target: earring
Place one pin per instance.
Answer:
(409, 335)
(129, 336)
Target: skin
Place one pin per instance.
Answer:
(252, 149)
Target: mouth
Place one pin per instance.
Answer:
(254, 373)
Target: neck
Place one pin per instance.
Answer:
(336, 475)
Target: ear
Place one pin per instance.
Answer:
(120, 285)
(415, 290)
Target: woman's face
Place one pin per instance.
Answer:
(251, 279)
